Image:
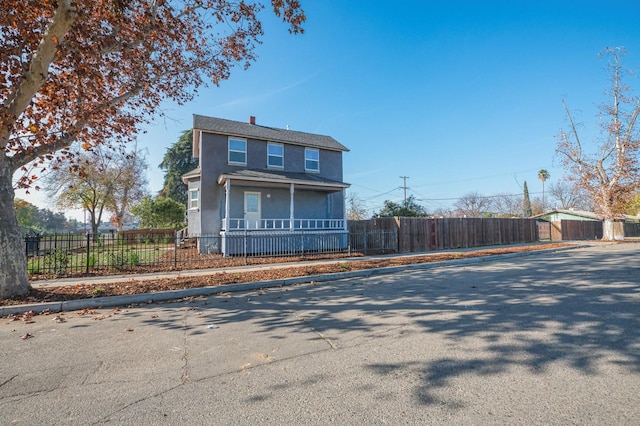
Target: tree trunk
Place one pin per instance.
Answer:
(13, 262)
(608, 230)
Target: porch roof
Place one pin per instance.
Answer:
(282, 179)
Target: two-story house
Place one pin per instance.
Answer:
(263, 181)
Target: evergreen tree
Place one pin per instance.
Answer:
(527, 201)
(177, 161)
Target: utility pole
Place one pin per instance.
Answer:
(404, 186)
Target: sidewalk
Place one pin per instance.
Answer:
(145, 298)
(107, 279)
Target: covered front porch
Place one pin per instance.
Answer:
(269, 203)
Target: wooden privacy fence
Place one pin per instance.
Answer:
(578, 230)
(631, 229)
(417, 234)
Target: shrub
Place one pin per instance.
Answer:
(57, 261)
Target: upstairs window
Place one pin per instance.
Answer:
(193, 199)
(275, 155)
(311, 160)
(238, 152)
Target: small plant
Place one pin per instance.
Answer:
(134, 259)
(344, 266)
(98, 291)
(117, 260)
(57, 261)
(33, 269)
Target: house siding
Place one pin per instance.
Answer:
(308, 204)
(317, 195)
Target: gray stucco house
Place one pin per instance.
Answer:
(262, 181)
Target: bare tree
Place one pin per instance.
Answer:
(129, 181)
(472, 204)
(567, 195)
(356, 209)
(506, 205)
(609, 174)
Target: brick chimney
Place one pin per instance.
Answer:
(252, 119)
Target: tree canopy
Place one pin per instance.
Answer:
(410, 209)
(472, 204)
(606, 168)
(177, 161)
(159, 212)
(91, 73)
(33, 219)
(104, 182)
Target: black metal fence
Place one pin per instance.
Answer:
(89, 254)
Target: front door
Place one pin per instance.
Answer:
(252, 214)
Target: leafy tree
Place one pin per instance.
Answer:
(160, 212)
(27, 214)
(100, 181)
(633, 209)
(355, 208)
(543, 175)
(32, 219)
(94, 71)
(609, 174)
(411, 209)
(177, 161)
(472, 204)
(526, 203)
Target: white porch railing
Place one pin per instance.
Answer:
(233, 224)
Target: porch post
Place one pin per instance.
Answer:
(227, 203)
(291, 204)
(344, 209)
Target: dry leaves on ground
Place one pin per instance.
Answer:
(130, 286)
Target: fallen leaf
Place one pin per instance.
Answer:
(128, 329)
(26, 336)
(101, 317)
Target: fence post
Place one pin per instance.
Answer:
(175, 250)
(245, 246)
(88, 251)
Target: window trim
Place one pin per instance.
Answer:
(229, 151)
(269, 155)
(317, 151)
(191, 199)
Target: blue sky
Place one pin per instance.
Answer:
(460, 96)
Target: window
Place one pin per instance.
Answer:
(275, 155)
(311, 160)
(238, 151)
(193, 199)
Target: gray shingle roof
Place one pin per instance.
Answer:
(256, 131)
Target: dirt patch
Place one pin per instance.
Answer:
(130, 286)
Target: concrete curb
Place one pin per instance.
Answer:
(163, 296)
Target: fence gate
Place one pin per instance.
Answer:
(544, 230)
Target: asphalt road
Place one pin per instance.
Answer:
(543, 339)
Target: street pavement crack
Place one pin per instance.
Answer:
(185, 355)
(8, 380)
